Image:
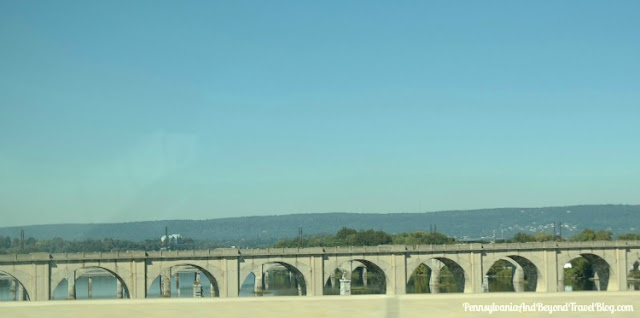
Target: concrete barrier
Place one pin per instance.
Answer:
(579, 304)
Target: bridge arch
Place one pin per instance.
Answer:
(300, 272)
(633, 275)
(525, 272)
(459, 268)
(64, 274)
(209, 271)
(17, 285)
(339, 261)
(600, 267)
(362, 265)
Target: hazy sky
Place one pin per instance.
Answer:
(142, 110)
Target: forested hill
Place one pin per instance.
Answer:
(472, 224)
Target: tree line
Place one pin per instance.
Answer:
(59, 245)
(351, 237)
(344, 237)
(584, 236)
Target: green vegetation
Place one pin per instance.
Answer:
(537, 237)
(351, 237)
(419, 280)
(422, 238)
(59, 245)
(629, 237)
(580, 269)
(592, 235)
(344, 237)
(584, 236)
(501, 268)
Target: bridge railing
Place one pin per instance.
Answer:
(386, 249)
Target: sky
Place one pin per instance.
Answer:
(117, 111)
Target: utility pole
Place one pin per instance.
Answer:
(166, 237)
(560, 230)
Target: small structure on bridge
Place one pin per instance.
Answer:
(345, 285)
(197, 286)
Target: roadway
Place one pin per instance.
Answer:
(436, 305)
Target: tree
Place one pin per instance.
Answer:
(629, 237)
(523, 238)
(30, 241)
(344, 232)
(543, 237)
(592, 235)
(16, 243)
(604, 235)
(5, 242)
(421, 238)
(580, 269)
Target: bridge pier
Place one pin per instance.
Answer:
(363, 274)
(71, 286)
(332, 280)
(136, 278)
(90, 287)
(178, 283)
(119, 293)
(560, 279)
(476, 276)
(266, 280)
(231, 281)
(618, 274)
(20, 292)
(435, 266)
(166, 284)
(257, 285)
(552, 273)
(518, 278)
(316, 285)
(434, 280)
(14, 289)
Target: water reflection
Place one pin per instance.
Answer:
(422, 281)
(102, 287)
(365, 280)
(12, 290)
(580, 284)
(275, 283)
(182, 285)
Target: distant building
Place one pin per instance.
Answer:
(174, 239)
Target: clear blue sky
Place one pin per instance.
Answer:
(142, 110)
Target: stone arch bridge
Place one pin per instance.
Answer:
(37, 274)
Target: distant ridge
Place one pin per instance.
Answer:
(471, 223)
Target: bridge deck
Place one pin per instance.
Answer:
(231, 252)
